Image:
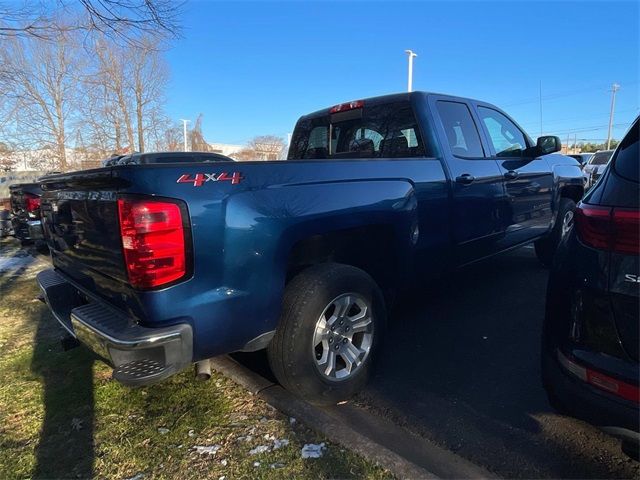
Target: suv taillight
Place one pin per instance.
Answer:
(31, 202)
(153, 241)
(609, 228)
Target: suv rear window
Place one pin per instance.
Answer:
(626, 162)
(380, 131)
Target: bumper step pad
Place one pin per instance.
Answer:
(143, 369)
(139, 355)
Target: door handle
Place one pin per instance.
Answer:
(511, 175)
(465, 179)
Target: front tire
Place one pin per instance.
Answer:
(546, 247)
(333, 316)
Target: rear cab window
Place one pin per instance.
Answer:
(388, 130)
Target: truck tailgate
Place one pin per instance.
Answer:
(80, 221)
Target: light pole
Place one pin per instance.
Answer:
(410, 79)
(184, 132)
(614, 88)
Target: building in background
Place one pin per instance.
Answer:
(225, 149)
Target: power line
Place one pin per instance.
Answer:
(554, 96)
(532, 124)
(591, 129)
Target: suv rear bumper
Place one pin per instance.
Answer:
(612, 414)
(139, 355)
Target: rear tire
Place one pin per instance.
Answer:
(320, 305)
(546, 247)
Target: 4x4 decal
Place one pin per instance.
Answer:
(200, 179)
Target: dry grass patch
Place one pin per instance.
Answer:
(61, 416)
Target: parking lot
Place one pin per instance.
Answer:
(460, 366)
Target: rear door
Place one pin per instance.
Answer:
(528, 179)
(477, 186)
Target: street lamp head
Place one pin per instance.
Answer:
(411, 54)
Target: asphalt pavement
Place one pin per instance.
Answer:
(461, 367)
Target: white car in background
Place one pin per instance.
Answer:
(596, 165)
(583, 158)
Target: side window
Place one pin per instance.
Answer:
(507, 139)
(460, 129)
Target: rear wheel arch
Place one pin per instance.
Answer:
(573, 192)
(375, 249)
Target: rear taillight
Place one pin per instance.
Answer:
(31, 202)
(153, 241)
(626, 226)
(609, 228)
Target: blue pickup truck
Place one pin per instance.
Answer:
(158, 266)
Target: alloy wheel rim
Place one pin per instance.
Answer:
(343, 337)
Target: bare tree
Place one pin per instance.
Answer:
(109, 100)
(266, 147)
(172, 140)
(245, 155)
(124, 109)
(67, 107)
(198, 143)
(119, 19)
(41, 80)
(7, 158)
(148, 78)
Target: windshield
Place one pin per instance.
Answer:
(380, 131)
(601, 158)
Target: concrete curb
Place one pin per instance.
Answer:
(345, 427)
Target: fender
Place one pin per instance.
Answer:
(263, 225)
(566, 173)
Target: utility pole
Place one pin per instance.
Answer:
(614, 88)
(410, 78)
(540, 94)
(184, 132)
(575, 143)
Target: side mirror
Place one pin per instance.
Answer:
(548, 144)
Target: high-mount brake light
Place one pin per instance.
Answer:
(343, 107)
(153, 241)
(609, 228)
(31, 202)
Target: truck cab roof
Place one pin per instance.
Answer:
(389, 98)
